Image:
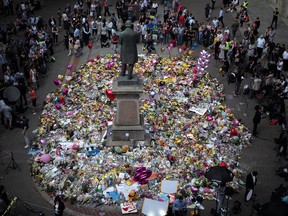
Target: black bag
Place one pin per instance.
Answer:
(232, 78)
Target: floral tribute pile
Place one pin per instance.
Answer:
(190, 131)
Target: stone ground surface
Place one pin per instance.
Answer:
(259, 157)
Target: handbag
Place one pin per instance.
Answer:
(76, 46)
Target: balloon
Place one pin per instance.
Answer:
(164, 119)
(190, 52)
(184, 47)
(236, 122)
(169, 48)
(45, 158)
(64, 91)
(90, 60)
(75, 147)
(195, 45)
(98, 57)
(142, 174)
(162, 49)
(57, 82)
(56, 100)
(153, 93)
(89, 45)
(58, 107)
(69, 66)
(209, 118)
(180, 51)
(171, 45)
(60, 77)
(43, 141)
(61, 100)
(140, 169)
(223, 164)
(193, 48)
(110, 94)
(233, 132)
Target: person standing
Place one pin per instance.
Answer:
(257, 119)
(6, 111)
(59, 206)
(106, 8)
(180, 207)
(260, 45)
(33, 97)
(220, 197)
(86, 32)
(59, 17)
(207, 11)
(55, 34)
(220, 16)
(213, 4)
(71, 44)
(114, 42)
(251, 181)
(25, 127)
(275, 18)
(279, 68)
(239, 78)
(119, 8)
(285, 59)
(234, 28)
(129, 55)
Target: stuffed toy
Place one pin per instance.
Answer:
(132, 196)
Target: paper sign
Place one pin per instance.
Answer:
(169, 187)
(121, 175)
(128, 208)
(198, 110)
(154, 208)
(125, 189)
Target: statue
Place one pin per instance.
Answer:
(128, 55)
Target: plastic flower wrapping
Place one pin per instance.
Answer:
(190, 131)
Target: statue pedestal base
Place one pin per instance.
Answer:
(128, 124)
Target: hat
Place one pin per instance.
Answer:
(261, 36)
(128, 23)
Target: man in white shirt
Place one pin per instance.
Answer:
(260, 45)
(285, 59)
(220, 17)
(215, 22)
(94, 27)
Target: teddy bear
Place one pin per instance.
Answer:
(133, 196)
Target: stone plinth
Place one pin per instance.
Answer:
(128, 124)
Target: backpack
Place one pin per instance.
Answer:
(232, 78)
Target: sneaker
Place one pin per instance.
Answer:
(26, 146)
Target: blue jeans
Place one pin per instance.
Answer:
(179, 40)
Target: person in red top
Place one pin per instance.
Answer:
(114, 41)
(33, 97)
(181, 20)
(106, 8)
